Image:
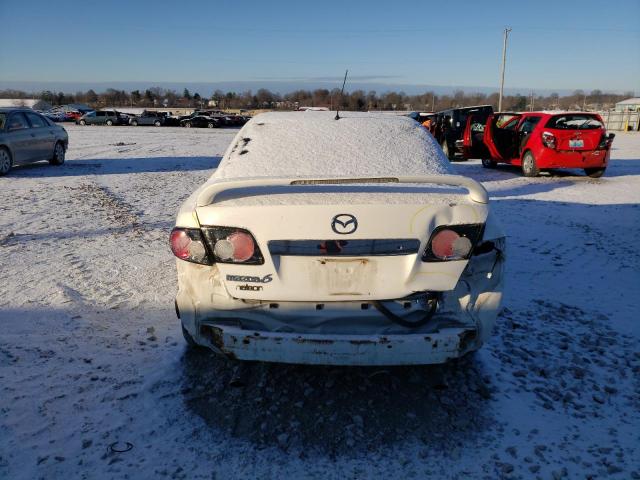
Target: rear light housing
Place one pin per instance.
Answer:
(187, 244)
(452, 242)
(549, 140)
(606, 141)
(211, 245)
(232, 245)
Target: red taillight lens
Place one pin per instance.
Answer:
(237, 247)
(453, 242)
(448, 245)
(233, 245)
(243, 246)
(180, 242)
(549, 139)
(444, 244)
(187, 244)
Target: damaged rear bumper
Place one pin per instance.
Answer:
(323, 349)
(345, 332)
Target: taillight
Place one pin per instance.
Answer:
(452, 242)
(233, 245)
(237, 247)
(187, 244)
(549, 139)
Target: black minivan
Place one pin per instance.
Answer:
(460, 131)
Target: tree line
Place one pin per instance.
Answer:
(357, 100)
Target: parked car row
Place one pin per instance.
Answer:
(64, 115)
(532, 140)
(211, 119)
(198, 119)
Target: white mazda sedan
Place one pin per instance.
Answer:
(337, 241)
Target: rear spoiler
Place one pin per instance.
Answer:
(207, 196)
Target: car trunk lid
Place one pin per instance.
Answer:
(308, 257)
(577, 140)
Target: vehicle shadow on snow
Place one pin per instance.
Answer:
(616, 168)
(508, 172)
(112, 166)
(548, 181)
(622, 168)
(338, 410)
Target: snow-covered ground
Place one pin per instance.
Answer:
(91, 355)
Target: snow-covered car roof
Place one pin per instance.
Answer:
(307, 144)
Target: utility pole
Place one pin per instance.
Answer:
(433, 102)
(504, 59)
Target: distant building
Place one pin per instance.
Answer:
(25, 102)
(629, 105)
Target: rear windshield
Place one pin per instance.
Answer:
(315, 145)
(3, 119)
(575, 121)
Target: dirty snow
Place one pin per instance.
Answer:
(91, 355)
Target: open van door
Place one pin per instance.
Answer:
(472, 138)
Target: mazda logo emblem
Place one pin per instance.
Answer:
(344, 223)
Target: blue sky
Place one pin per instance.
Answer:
(554, 44)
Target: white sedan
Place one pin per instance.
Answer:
(337, 241)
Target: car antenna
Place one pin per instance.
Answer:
(341, 92)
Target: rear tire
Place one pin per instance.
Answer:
(5, 161)
(157, 123)
(210, 125)
(488, 163)
(134, 123)
(445, 149)
(529, 167)
(83, 123)
(58, 154)
(595, 172)
(109, 123)
(188, 124)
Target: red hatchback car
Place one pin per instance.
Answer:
(541, 140)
